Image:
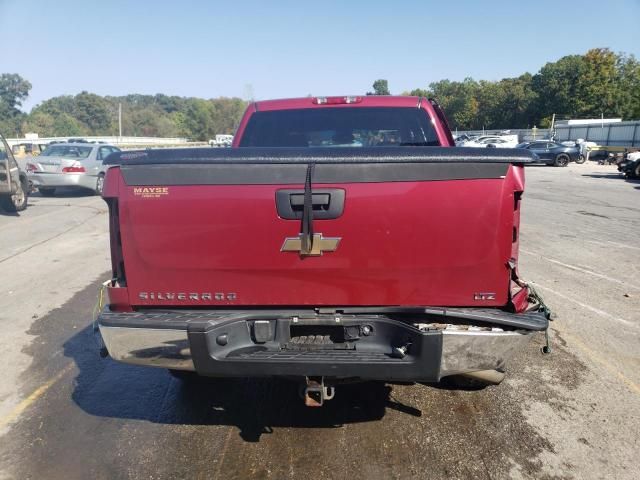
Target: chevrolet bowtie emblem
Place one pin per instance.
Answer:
(319, 245)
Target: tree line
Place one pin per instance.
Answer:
(597, 83)
(87, 114)
(600, 82)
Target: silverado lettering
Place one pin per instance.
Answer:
(399, 261)
(186, 296)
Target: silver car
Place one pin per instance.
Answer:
(76, 165)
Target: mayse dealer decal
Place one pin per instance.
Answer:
(150, 192)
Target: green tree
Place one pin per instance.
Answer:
(148, 122)
(459, 100)
(380, 87)
(227, 113)
(180, 121)
(56, 105)
(40, 122)
(511, 101)
(94, 112)
(65, 125)
(598, 84)
(198, 119)
(418, 92)
(556, 87)
(627, 102)
(13, 91)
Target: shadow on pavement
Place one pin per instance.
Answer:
(64, 192)
(612, 175)
(4, 213)
(60, 193)
(106, 388)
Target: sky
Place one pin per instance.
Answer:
(276, 49)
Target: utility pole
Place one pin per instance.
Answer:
(248, 92)
(119, 122)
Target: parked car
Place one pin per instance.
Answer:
(630, 166)
(76, 165)
(366, 257)
(492, 141)
(552, 153)
(27, 149)
(221, 140)
(14, 186)
(581, 145)
(463, 138)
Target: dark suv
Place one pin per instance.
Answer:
(14, 186)
(553, 153)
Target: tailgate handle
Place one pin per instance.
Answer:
(320, 201)
(328, 203)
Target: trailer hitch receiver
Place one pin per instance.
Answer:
(316, 392)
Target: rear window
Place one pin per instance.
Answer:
(340, 127)
(67, 151)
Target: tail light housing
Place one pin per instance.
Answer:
(76, 168)
(31, 167)
(117, 258)
(118, 292)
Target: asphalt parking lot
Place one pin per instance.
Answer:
(67, 413)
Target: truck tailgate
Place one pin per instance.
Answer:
(432, 227)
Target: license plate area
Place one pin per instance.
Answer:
(314, 336)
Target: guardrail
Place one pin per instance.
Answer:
(111, 140)
(620, 134)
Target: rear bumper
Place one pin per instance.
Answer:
(264, 344)
(53, 180)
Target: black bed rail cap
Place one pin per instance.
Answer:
(335, 155)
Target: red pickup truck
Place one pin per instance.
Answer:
(343, 238)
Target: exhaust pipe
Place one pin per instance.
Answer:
(492, 377)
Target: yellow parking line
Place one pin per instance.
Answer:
(634, 387)
(31, 399)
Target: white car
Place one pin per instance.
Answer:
(221, 140)
(461, 139)
(76, 165)
(497, 141)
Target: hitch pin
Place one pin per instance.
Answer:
(96, 312)
(547, 347)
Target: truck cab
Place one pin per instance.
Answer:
(349, 121)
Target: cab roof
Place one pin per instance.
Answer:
(360, 101)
